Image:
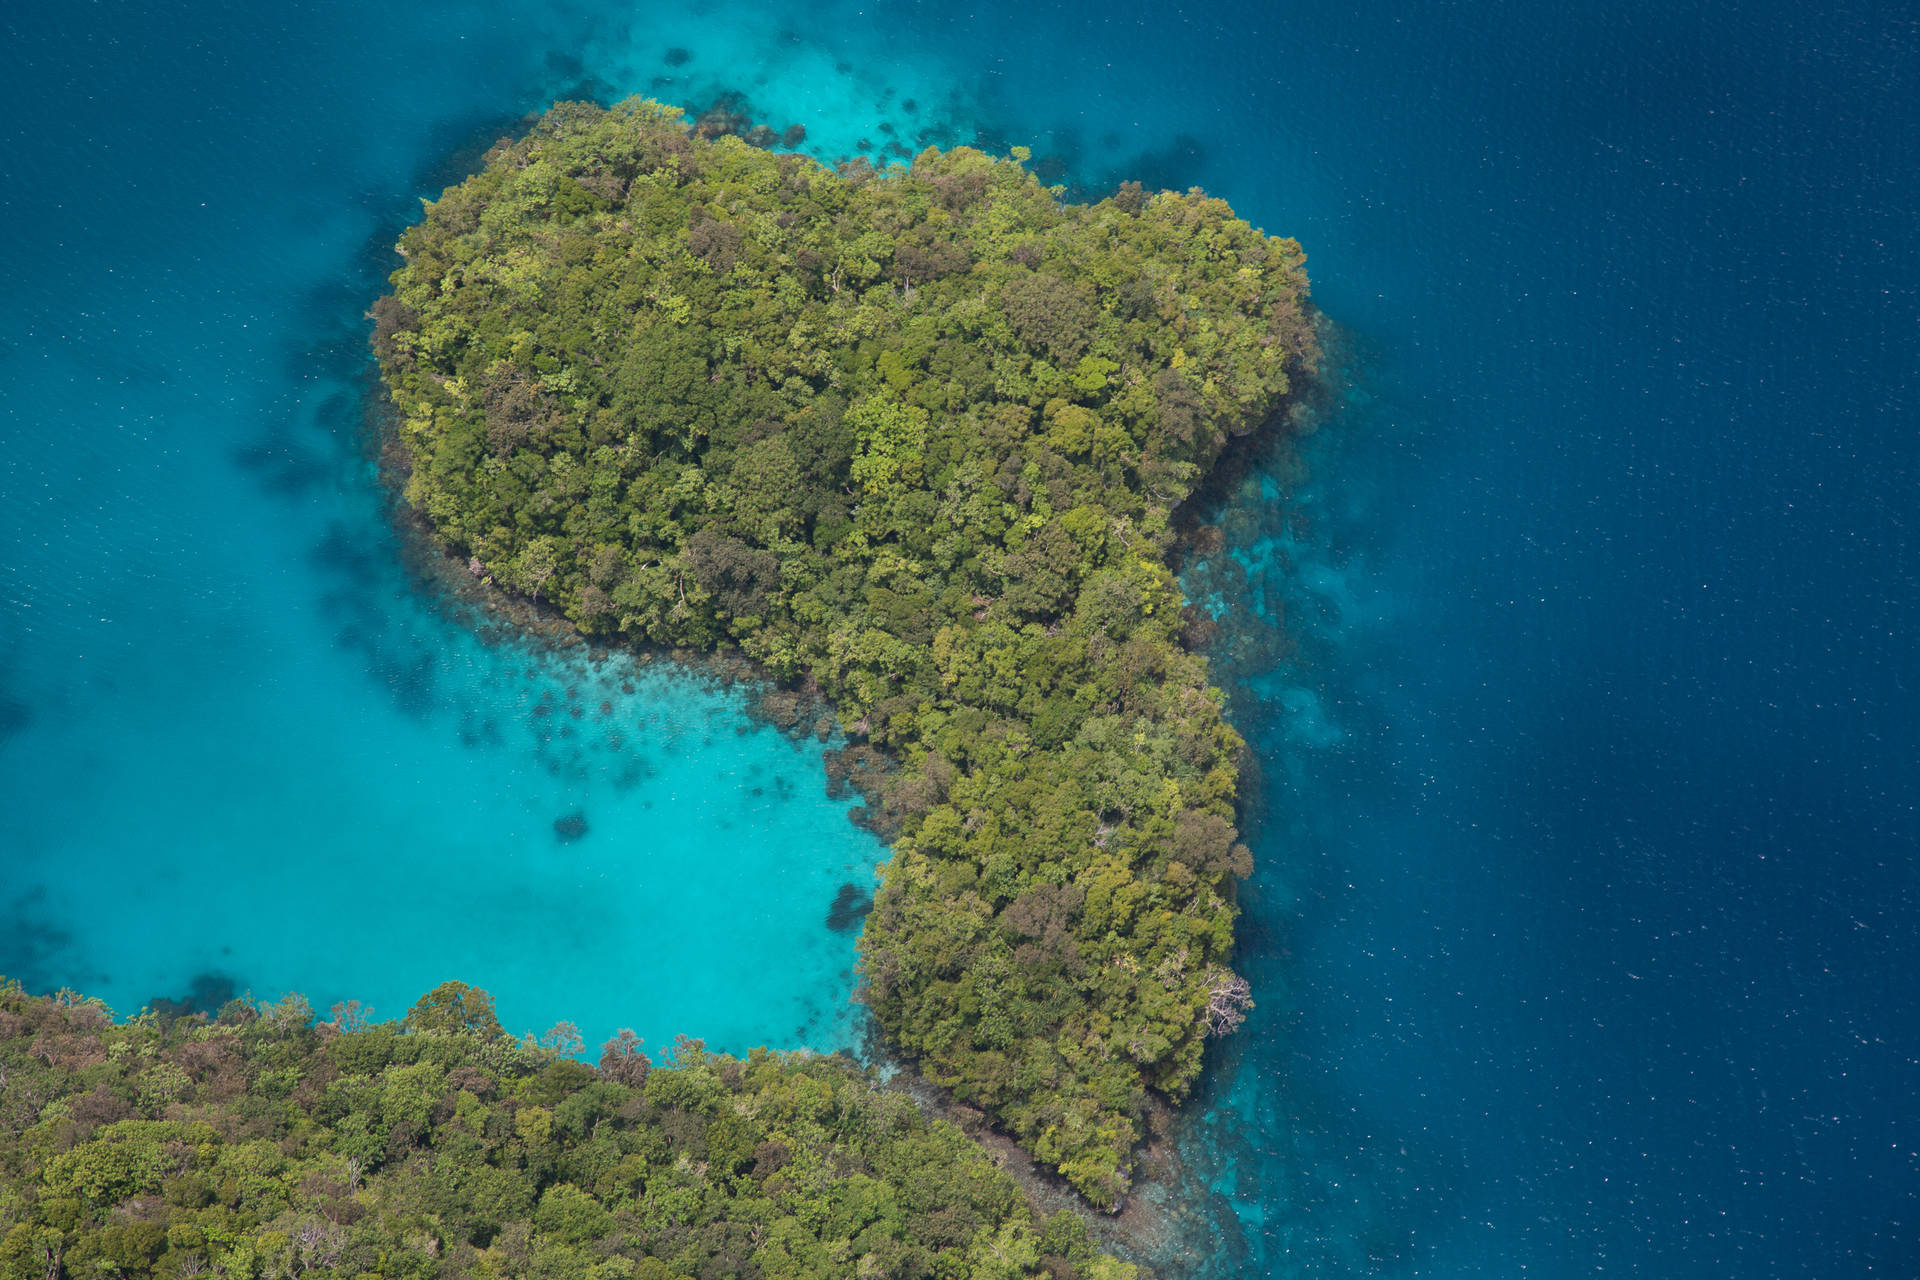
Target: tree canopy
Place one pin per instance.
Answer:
(914, 437)
(259, 1144)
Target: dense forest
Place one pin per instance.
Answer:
(259, 1143)
(913, 438)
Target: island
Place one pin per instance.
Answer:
(914, 439)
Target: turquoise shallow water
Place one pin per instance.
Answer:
(1585, 912)
(242, 747)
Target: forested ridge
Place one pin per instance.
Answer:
(260, 1144)
(913, 438)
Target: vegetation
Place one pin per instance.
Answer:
(261, 1144)
(914, 437)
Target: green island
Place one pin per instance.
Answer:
(912, 439)
(258, 1143)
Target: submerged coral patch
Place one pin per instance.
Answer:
(206, 994)
(16, 717)
(29, 942)
(850, 907)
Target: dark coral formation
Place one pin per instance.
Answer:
(30, 944)
(850, 907)
(206, 995)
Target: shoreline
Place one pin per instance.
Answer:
(1160, 1223)
(1083, 586)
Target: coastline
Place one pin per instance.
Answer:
(1162, 1222)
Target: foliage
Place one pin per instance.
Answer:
(267, 1146)
(915, 437)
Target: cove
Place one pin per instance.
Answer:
(346, 790)
(590, 841)
(244, 750)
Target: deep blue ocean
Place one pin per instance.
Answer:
(1587, 915)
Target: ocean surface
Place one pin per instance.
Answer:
(1576, 646)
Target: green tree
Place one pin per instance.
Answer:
(456, 1008)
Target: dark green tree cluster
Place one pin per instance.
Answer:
(259, 1144)
(914, 437)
